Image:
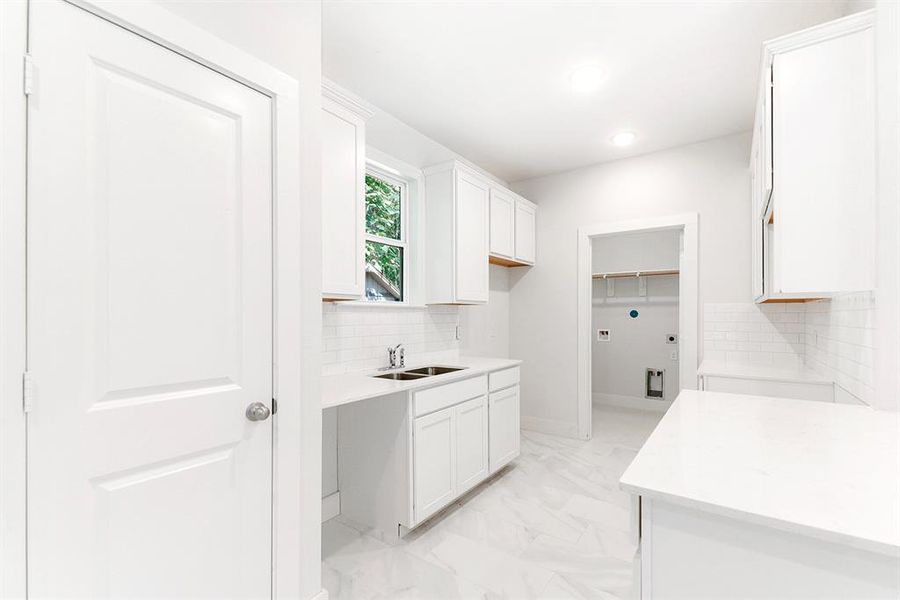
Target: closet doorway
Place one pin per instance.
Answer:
(637, 314)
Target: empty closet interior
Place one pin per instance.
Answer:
(634, 318)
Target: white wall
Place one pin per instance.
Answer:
(710, 178)
(484, 330)
(635, 251)
(618, 367)
(288, 35)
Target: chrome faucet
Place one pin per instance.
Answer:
(397, 356)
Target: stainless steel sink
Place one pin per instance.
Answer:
(401, 376)
(434, 370)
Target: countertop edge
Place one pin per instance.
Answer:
(424, 383)
(828, 535)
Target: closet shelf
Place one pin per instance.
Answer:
(647, 273)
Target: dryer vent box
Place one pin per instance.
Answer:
(654, 384)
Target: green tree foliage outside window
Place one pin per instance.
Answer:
(383, 219)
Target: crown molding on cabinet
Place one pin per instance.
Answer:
(347, 99)
(819, 33)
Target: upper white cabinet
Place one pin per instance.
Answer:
(512, 228)
(458, 232)
(503, 224)
(343, 194)
(525, 231)
(813, 163)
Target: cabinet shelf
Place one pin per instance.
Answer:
(626, 274)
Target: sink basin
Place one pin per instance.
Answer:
(402, 376)
(434, 370)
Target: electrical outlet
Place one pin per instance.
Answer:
(673, 355)
(603, 335)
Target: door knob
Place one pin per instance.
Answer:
(258, 412)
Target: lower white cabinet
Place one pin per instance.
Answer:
(450, 455)
(503, 415)
(405, 456)
(434, 462)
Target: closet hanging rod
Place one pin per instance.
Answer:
(647, 273)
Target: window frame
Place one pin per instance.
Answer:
(376, 170)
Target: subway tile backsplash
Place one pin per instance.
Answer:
(834, 337)
(754, 333)
(356, 338)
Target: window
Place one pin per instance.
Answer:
(386, 237)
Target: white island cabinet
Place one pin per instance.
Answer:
(343, 194)
(749, 497)
(407, 449)
(813, 163)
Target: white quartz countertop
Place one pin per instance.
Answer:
(739, 370)
(831, 471)
(352, 387)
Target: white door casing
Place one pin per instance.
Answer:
(149, 319)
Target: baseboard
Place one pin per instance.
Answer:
(321, 595)
(621, 401)
(551, 426)
(331, 506)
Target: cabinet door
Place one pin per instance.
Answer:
(503, 223)
(525, 215)
(824, 166)
(434, 460)
(343, 202)
(471, 443)
(472, 214)
(503, 427)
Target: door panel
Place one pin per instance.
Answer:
(502, 224)
(434, 462)
(149, 319)
(471, 443)
(472, 276)
(525, 232)
(504, 427)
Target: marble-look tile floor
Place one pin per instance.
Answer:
(554, 525)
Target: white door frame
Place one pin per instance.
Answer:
(688, 303)
(297, 289)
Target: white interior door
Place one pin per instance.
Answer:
(149, 319)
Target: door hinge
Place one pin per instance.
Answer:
(27, 392)
(28, 82)
(274, 406)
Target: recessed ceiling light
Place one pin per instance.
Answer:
(587, 78)
(624, 138)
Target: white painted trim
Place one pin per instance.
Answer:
(297, 440)
(331, 506)
(688, 302)
(322, 595)
(620, 401)
(887, 293)
(347, 99)
(13, 39)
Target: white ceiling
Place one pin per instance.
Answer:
(490, 80)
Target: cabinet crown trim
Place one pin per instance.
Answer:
(347, 99)
(818, 33)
